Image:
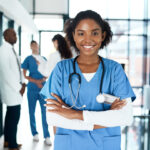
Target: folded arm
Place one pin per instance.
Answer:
(76, 118)
(110, 118)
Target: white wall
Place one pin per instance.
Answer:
(28, 4)
(15, 11)
(51, 6)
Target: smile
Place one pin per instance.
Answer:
(88, 47)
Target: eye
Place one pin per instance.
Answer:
(80, 33)
(95, 33)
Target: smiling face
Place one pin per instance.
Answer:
(88, 37)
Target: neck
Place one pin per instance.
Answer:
(88, 59)
(35, 53)
(10, 43)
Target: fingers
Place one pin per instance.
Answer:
(57, 97)
(59, 102)
(118, 104)
(52, 106)
(53, 110)
(117, 100)
(54, 102)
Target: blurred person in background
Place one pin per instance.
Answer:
(12, 88)
(62, 52)
(66, 26)
(36, 82)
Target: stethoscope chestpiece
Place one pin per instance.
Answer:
(106, 98)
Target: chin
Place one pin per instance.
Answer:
(88, 54)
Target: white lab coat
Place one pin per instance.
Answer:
(9, 76)
(45, 68)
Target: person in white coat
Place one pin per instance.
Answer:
(62, 52)
(11, 88)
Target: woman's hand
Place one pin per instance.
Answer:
(118, 104)
(59, 107)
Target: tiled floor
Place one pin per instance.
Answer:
(24, 135)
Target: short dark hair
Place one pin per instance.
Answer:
(88, 14)
(33, 42)
(7, 31)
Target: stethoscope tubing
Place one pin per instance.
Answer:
(79, 77)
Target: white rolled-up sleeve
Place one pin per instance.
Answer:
(73, 124)
(110, 118)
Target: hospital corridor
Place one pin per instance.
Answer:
(74, 75)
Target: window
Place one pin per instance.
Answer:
(119, 27)
(128, 21)
(136, 61)
(54, 23)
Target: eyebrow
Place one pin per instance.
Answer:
(79, 30)
(96, 29)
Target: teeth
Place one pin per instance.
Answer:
(87, 46)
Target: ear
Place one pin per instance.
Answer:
(6, 38)
(104, 35)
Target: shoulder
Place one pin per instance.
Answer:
(55, 54)
(111, 64)
(54, 58)
(28, 58)
(6, 52)
(5, 48)
(65, 64)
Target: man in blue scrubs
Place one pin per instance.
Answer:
(36, 82)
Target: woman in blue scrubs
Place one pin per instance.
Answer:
(88, 33)
(36, 82)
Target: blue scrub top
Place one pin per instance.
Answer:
(115, 82)
(31, 65)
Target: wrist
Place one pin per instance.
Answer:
(44, 79)
(23, 84)
(79, 115)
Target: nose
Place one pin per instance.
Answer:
(88, 38)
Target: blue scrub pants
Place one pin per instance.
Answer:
(33, 97)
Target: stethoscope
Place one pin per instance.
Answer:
(79, 79)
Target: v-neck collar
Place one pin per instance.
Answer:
(82, 76)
